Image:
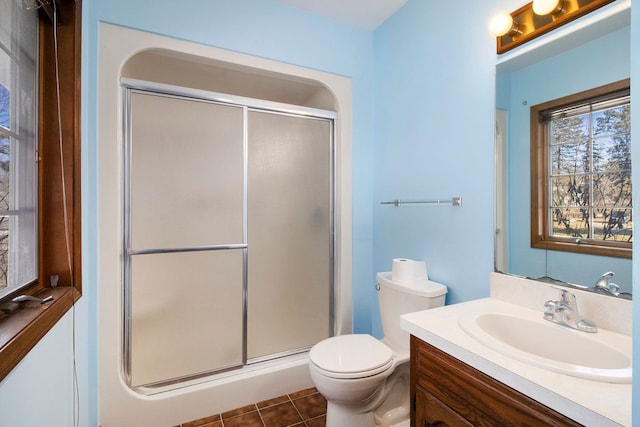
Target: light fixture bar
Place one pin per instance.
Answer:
(537, 18)
(548, 7)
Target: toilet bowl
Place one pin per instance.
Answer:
(364, 380)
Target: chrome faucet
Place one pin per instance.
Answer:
(605, 285)
(565, 312)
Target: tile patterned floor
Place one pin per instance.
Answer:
(305, 408)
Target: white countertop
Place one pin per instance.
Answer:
(589, 402)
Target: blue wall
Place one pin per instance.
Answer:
(433, 138)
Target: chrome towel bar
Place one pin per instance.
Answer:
(454, 201)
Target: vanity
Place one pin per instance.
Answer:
(450, 392)
(458, 380)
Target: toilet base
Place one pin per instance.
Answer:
(387, 407)
(394, 411)
(340, 416)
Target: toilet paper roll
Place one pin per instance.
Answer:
(402, 271)
(420, 272)
(408, 271)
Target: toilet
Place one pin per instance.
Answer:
(364, 380)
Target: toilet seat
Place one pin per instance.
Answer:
(351, 356)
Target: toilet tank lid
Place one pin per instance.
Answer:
(421, 287)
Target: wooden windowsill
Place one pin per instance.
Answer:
(59, 65)
(21, 329)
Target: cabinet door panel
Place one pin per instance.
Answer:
(473, 395)
(430, 412)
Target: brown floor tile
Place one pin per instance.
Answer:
(311, 406)
(281, 415)
(308, 409)
(271, 402)
(301, 393)
(203, 421)
(238, 411)
(317, 422)
(213, 424)
(249, 419)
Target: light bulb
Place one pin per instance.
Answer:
(545, 7)
(501, 24)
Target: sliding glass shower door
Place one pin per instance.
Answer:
(185, 239)
(290, 263)
(228, 233)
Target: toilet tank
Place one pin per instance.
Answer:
(396, 299)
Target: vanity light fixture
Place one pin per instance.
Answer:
(503, 24)
(537, 18)
(546, 7)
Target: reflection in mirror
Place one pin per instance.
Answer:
(594, 63)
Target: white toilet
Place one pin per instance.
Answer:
(365, 380)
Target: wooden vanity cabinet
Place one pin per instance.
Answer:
(448, 392)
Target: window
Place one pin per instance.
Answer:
(581, 172)
(18, 124)
(36, 245)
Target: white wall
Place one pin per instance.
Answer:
(42, 390)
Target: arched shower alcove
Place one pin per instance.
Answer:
(140, 78)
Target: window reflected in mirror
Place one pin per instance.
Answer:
(581, 172)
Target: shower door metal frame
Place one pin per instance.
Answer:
(130, 86)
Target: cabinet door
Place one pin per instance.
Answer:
(431, 412)
(473, 395)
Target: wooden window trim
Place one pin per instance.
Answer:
(539, 188)
(23, 328)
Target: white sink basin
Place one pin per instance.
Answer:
(603, 356)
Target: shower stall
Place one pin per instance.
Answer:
(228, 232)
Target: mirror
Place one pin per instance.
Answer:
(584, 59)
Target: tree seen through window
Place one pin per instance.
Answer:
(590, 179)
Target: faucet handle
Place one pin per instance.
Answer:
(605, 280)
(605, 284)
(565, 312)
(569, 299)
(550, 309)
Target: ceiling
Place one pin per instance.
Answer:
(367, 14)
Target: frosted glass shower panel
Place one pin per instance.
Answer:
(186, 314)
(289, 223)
(186, 171)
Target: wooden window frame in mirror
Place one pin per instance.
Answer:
(531, 26)
(540, 235)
